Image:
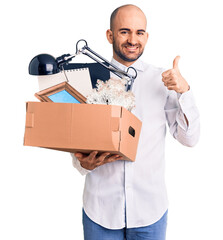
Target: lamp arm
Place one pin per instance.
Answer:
(83, 50)
(115, 71)
(64, 59)
(111, 67)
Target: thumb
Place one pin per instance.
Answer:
(175, 62)
(78, 154)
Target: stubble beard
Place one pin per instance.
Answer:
(123, 56)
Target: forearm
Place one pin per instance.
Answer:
(187, 131)
(184, 120)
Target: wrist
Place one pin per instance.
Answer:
(87, 166)
(186, 89)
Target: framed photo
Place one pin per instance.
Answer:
(62, 92)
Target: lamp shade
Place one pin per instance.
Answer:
(43, 64)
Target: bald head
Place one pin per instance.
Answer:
(127, 34)
(129, 8)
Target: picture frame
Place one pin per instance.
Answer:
(62, 92)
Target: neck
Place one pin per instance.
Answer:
(123, 62)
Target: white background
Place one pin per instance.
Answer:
(41, 193)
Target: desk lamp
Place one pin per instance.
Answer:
(45, 64)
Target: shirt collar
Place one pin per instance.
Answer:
(138, 65)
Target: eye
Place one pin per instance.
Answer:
(140, 33)
(124, 32)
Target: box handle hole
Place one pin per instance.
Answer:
(132, 131)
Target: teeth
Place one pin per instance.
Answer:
(132, 48)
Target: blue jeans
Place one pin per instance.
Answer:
(156, 231)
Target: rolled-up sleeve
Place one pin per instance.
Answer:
(77, 165)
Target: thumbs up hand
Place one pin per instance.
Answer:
(173, 79)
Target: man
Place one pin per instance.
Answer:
(128, 200)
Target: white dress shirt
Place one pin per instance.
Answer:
(136, 190)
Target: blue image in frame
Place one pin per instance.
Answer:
(61, 93)
(63, 97)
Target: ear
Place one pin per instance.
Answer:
(147, 36)
(109, 35)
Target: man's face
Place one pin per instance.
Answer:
(128, 35)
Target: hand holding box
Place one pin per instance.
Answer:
(93, 160)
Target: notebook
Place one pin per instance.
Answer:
(78, 78)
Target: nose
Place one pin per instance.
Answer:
(132, 39)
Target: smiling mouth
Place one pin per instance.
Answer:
(131, 48)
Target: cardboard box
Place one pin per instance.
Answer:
(77, 127)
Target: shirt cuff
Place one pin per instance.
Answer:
(77, 165)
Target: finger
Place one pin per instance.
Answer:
(167, 79)
(114, 158)
(105, 154)
(78, 155)
(92, 155)
(169, 82)
(107, 159)
(103, 157)
(168, 73)
(175, 62)
(172, 77)
(172, 87)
